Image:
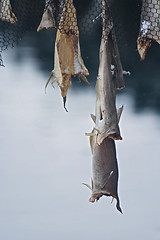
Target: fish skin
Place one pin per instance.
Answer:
(104, 162)
(47, 21)
(68, 62)
(109, 35)
(108, 82)
(107, 122)
(106, 119)
(51, 15)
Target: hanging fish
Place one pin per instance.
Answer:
(6, 13)
(68, 62)
(106, 119)
(110, 78)
(149, 26)
(52, 14)
(104, 167)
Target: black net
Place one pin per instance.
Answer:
(69, 16)
(149, 26)
(16, 18)
(150, 23)
(63, 15)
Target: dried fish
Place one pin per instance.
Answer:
(109, 36)
(68, 62)
(149, 26)
(106, 119)
(107, 82)
(51, 16)
(6, 13)
(104, 167)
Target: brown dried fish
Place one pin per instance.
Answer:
(6, 13)
(149, 26)
(68, 62)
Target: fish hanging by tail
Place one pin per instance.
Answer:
(68, 62)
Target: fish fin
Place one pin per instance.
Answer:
(92, 183)
(118, 206)
(47, 21)
(93, 118)
(112, 200)
(143, 44)
(84, 78)
(107, 177)
(88, 186)
(119, 112)
(64, 102)
(49, 80)
(92, 134)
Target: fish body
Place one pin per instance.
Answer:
(105, 171)
(107, 122)
(68, 62)
(110, 78)
(6, 13)
(106, 118)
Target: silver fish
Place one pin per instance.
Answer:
(104, 168)
(107, 82)
(106, 119)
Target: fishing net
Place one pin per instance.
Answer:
(150, 15)
(18, 17)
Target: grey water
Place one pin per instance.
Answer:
(45, 156)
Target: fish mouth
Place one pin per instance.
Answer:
(97, 195)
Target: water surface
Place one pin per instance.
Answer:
(45, 157)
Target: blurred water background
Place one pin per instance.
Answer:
(45, 155)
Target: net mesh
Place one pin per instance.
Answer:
(65, 14)
(150, 23)
(70, 17)
(16, 18)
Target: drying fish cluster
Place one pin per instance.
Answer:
(68, 63)
(61, 15)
